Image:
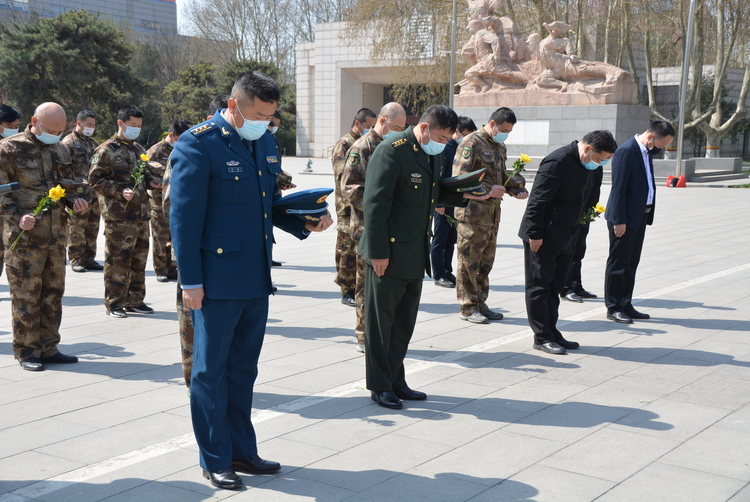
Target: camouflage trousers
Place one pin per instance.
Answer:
(83, 230)
(346, 262)
(36, 278)
(125, 255)
(185, 320)
(161, 243)
(476, 246)
(359, 298)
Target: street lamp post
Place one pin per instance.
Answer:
(452, 84)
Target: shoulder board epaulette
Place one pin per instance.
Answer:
(399, 142)
(201, 129)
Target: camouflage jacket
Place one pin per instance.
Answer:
(81, 148)
(353, 179)
(111, 169)
(338, 159)
(37, 168)
(476, 151)
(159, 155)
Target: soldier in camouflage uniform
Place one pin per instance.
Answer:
(165, 267)
(125, 210)
(346, 248)
(10, 119)
(83, 227)
(36, 266)
(478, 222)
(392, 118)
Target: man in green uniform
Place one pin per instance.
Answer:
(478, 222)
(161, 243)
(391, 119)
(125, 210)
(83, 227)
(36, 265)
(346, 249)
(403, 187)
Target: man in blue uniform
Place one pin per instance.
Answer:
(222, 186)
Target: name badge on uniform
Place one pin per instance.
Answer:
(235, 169)
(271, 159)
(416, 178)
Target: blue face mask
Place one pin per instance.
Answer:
(251, 129)
(604, 163)
(131, 132)
(433, 147)
(274, 129)
(365, 131)
(47, 138)
(500, 137)
(7, 133)
(459, 139)
(591, 165)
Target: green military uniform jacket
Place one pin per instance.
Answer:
(403, 187)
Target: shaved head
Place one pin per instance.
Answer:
(392, 111)
(52, 117)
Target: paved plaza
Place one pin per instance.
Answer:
(654, 411)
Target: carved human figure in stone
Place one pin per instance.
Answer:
(533, 44)
(483, 8)
(489, 64)
(562, 65)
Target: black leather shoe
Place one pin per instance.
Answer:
(444, 283)
(60, 358)
(93, 266)
(550, 348)
(120, 313)
(255, 465)
(386, 400)
(348, 299)
(78, 268)
(32, 364)
(451, 278)
(571, 297)
(275, 263)
(568, 345)
(408, 394)
(620, 317)
(585, 294)
(634, 314)
(224, 478)
(492, 315)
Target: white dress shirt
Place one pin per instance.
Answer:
(647, 164)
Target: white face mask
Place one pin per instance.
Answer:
(88, 131)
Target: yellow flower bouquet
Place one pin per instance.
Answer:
(592, 213)
(54, 195)
(139, 173)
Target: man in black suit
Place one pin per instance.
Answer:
(444, 238)
(556, 205)
(629, 210)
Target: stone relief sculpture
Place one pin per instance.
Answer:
(534, 71)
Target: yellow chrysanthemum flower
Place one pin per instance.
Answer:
(599, 208)
(56, 193)
(525, 158)
(144, 157)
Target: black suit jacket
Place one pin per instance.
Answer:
(629, 194)
(556, 204)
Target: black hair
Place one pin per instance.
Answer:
(661, 129)
(85, 114)
(503, 115)
(129, 111)
(277, 115)
(602, 141)
(218, 103)
(179, 126)
(362, 115)
(9, 114)
(254, 84)
(466, 124)
(440, 117)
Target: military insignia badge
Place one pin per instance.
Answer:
(415, 148)
(118, 158)
(272, 159)
(233, 163)
(416, 178)
(320, 201)
(80, 189)
(399, 142)
(467, 152)
(95, 158)
(224, 131)
(353, 159)
(200, 129)
(234, 170)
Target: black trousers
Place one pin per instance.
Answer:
(546, 272)
(391, 306)
(573, 283)
(622, 263)
(443, 244)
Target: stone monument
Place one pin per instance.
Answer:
(557, 96)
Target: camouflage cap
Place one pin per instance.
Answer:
(307, 205)
(467, 182)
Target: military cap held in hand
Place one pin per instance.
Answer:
(467, 182)
(308, 205)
